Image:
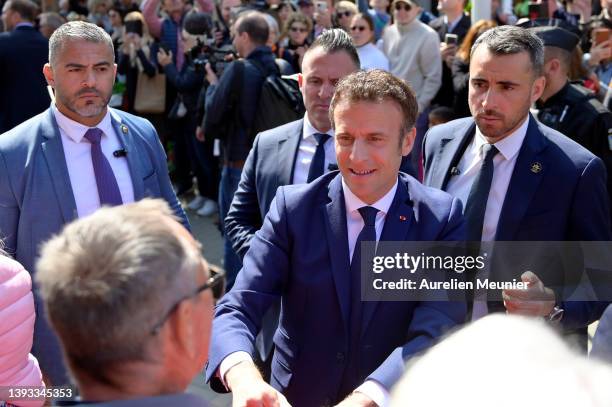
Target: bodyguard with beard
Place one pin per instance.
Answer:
(518, 179)
(73, 158)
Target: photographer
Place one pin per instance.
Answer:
(224, 106)
(137, 54)
(188, 82)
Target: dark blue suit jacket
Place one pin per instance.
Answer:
(23, 88)
(301, 257)
(565, 201)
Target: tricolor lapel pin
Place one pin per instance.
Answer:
(402, 218)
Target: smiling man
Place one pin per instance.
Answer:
(73, 158)
(330, 346)
(518, 179)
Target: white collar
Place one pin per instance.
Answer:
(353, 203)
(309, 130)
(76, 131)
(509, 146)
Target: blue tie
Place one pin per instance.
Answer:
(318, 160)
(108, 190)
(479, 195)
(367, 234)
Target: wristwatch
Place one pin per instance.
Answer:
(555, 315)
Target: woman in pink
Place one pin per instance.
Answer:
(17, 366)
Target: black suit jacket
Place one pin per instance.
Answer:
(23, 88)
(445, 95)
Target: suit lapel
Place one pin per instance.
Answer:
(526, 177)
(126, 138)
(337, 238)
(53, 152)
(398, 224)
(288, 147)
(450, 153)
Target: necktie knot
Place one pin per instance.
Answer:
(94, 135)
(489, 151)
(321, 138)
(368, 213)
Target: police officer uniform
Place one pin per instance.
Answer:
(574, 110)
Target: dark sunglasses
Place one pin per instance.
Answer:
(358, 28)
(298, 29)
(341, 14)
(216, 282)
(403, 6)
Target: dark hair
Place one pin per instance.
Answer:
(336, 40)
(444, 113)
(377, 86)
(25, 8)
(255, 25)
(367, 18)
(509, 40)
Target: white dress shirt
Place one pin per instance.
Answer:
(459, 186)
(77, 152)
(503, 163)
(306, 151)
(354, 224)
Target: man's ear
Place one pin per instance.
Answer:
(408, 142)
(48, 72)
(537, 88)
(300, 80)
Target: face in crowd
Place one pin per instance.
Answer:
(404, 12)
(501, 90)
(82, 75)
(361, 32)
(370, 144)
(321, 71)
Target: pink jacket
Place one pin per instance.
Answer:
(17, 366)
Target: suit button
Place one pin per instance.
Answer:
(327, 402)
(340, 357)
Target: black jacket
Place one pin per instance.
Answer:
(237, 142)
(23, 88)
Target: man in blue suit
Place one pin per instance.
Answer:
(330, 346)
(71, 159)
(23, 53)
(519, 180)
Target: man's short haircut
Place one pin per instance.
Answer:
(564, 57)
(336, 40)
(108, 279)
(255, 25)
(75, 31)
(510, 40)
(377, 86)
(25, 8)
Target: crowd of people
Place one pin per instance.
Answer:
(306, 128)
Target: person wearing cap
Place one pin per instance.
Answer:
(413, 49)
(568, 107)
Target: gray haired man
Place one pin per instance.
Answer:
(129, 296)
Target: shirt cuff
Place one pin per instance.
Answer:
(375, 391)
(230, 361)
